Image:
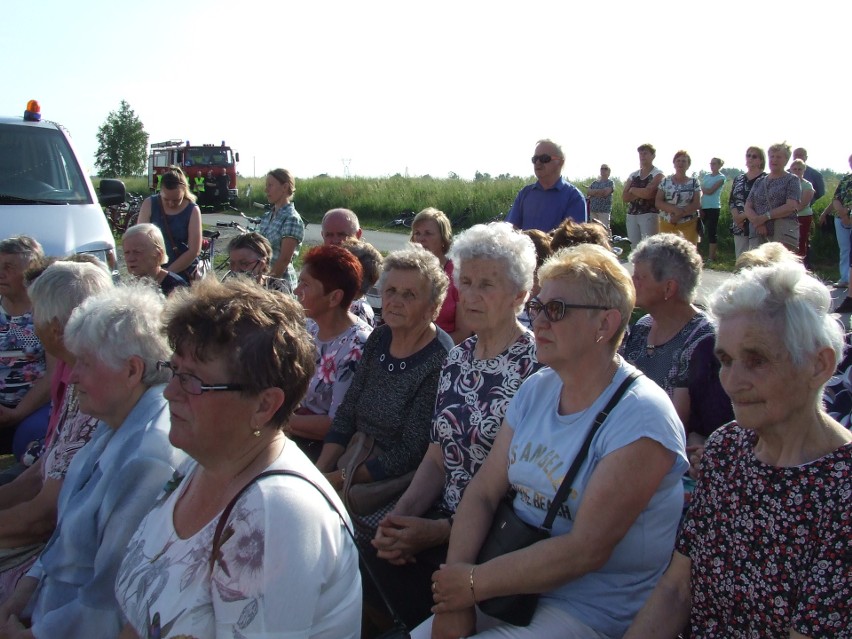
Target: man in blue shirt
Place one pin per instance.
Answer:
(546, 203)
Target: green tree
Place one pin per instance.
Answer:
(122, 144)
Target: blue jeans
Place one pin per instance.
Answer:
(843, 243)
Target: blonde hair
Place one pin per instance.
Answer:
(445, 229)
(175, 178)
(602, 280)
(766, 255)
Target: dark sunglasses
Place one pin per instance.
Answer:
(554, 310)
(544, 158)
(752, 156)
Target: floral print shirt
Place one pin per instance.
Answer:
(770, 546)
(473, 395)
(22, 359)
(740, 189)
(285, 568)
(336, 362)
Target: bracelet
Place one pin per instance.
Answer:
(768, 216)
(472, 593)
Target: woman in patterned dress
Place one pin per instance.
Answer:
(329, 281)
(764, 550)
(679, 200)
(283, 565)
(772, 204)
(24, 384)
(755, 160)
(495, 266)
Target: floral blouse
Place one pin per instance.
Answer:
(336, 362)
(770, 546)
(22, 359)
(473, 395)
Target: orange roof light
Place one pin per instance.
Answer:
(33, 112)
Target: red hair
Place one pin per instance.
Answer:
(335, 268)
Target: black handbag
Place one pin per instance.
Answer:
(509, 532)
(399, 631)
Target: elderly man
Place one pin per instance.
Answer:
(339, 225)
(546, 203)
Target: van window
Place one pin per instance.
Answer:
(37, 164)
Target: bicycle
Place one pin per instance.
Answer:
(404, 219)
(121, 217)
(208, 252)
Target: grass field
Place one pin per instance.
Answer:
(379, 200)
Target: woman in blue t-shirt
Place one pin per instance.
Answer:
(613, 536)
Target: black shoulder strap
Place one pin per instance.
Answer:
(220, 529)
(565, 486)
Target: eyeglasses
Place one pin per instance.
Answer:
(192, 384)
(752, 156)
(242, 267)
(544, 158)
(554, 310)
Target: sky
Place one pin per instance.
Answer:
(377, 88)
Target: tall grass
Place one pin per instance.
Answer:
(379, 200)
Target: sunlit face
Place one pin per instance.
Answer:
(715, 166)
(310, 292)
(551, 171)
(778, 161)
(336, 228)
(407, 299)
(49, 333)
(275, 191)
(766, 390)
(681, 164)
(646, 158)
(605, 172)
(487, 296)
(798, 170)
(752, 160)
(564, 343)
(427, 234)
(244, 260)
(206, 425)
(12, 267)
(648, 290)
(172, 198)
(106, 401)
(141, 255)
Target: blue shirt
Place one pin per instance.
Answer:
(545, 209)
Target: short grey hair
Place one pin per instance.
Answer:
(27, 247)
(497, 241)
(671, 257)
(153, 233)
(417, 258)
(63, 287)
(559, 152)
(788, 296)
(120, 323)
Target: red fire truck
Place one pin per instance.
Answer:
(210, 169)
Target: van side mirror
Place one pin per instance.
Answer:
(237, 156)
(111, 192)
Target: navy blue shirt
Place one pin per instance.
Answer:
(537, 208)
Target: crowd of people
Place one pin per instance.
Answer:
(270, 456)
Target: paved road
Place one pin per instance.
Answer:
(385, 241)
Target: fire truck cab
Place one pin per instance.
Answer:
(210, 169)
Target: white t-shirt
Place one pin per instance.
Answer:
(543, 448)
(288, 570)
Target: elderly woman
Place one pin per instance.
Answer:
(755, 161)
(144, 255)
(177, 215)
(772, 204)
(494, 268)
(432, 230)
(371, 265)
(612, 537)
(679, 200)
(113, 480)
(24, 382)
(28, 514)
(666, 272)
(764, 551)
(250, 254)
(392, 396)
(279, 561)
(282, 225)
(330, 279)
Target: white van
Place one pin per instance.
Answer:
(44, 192)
